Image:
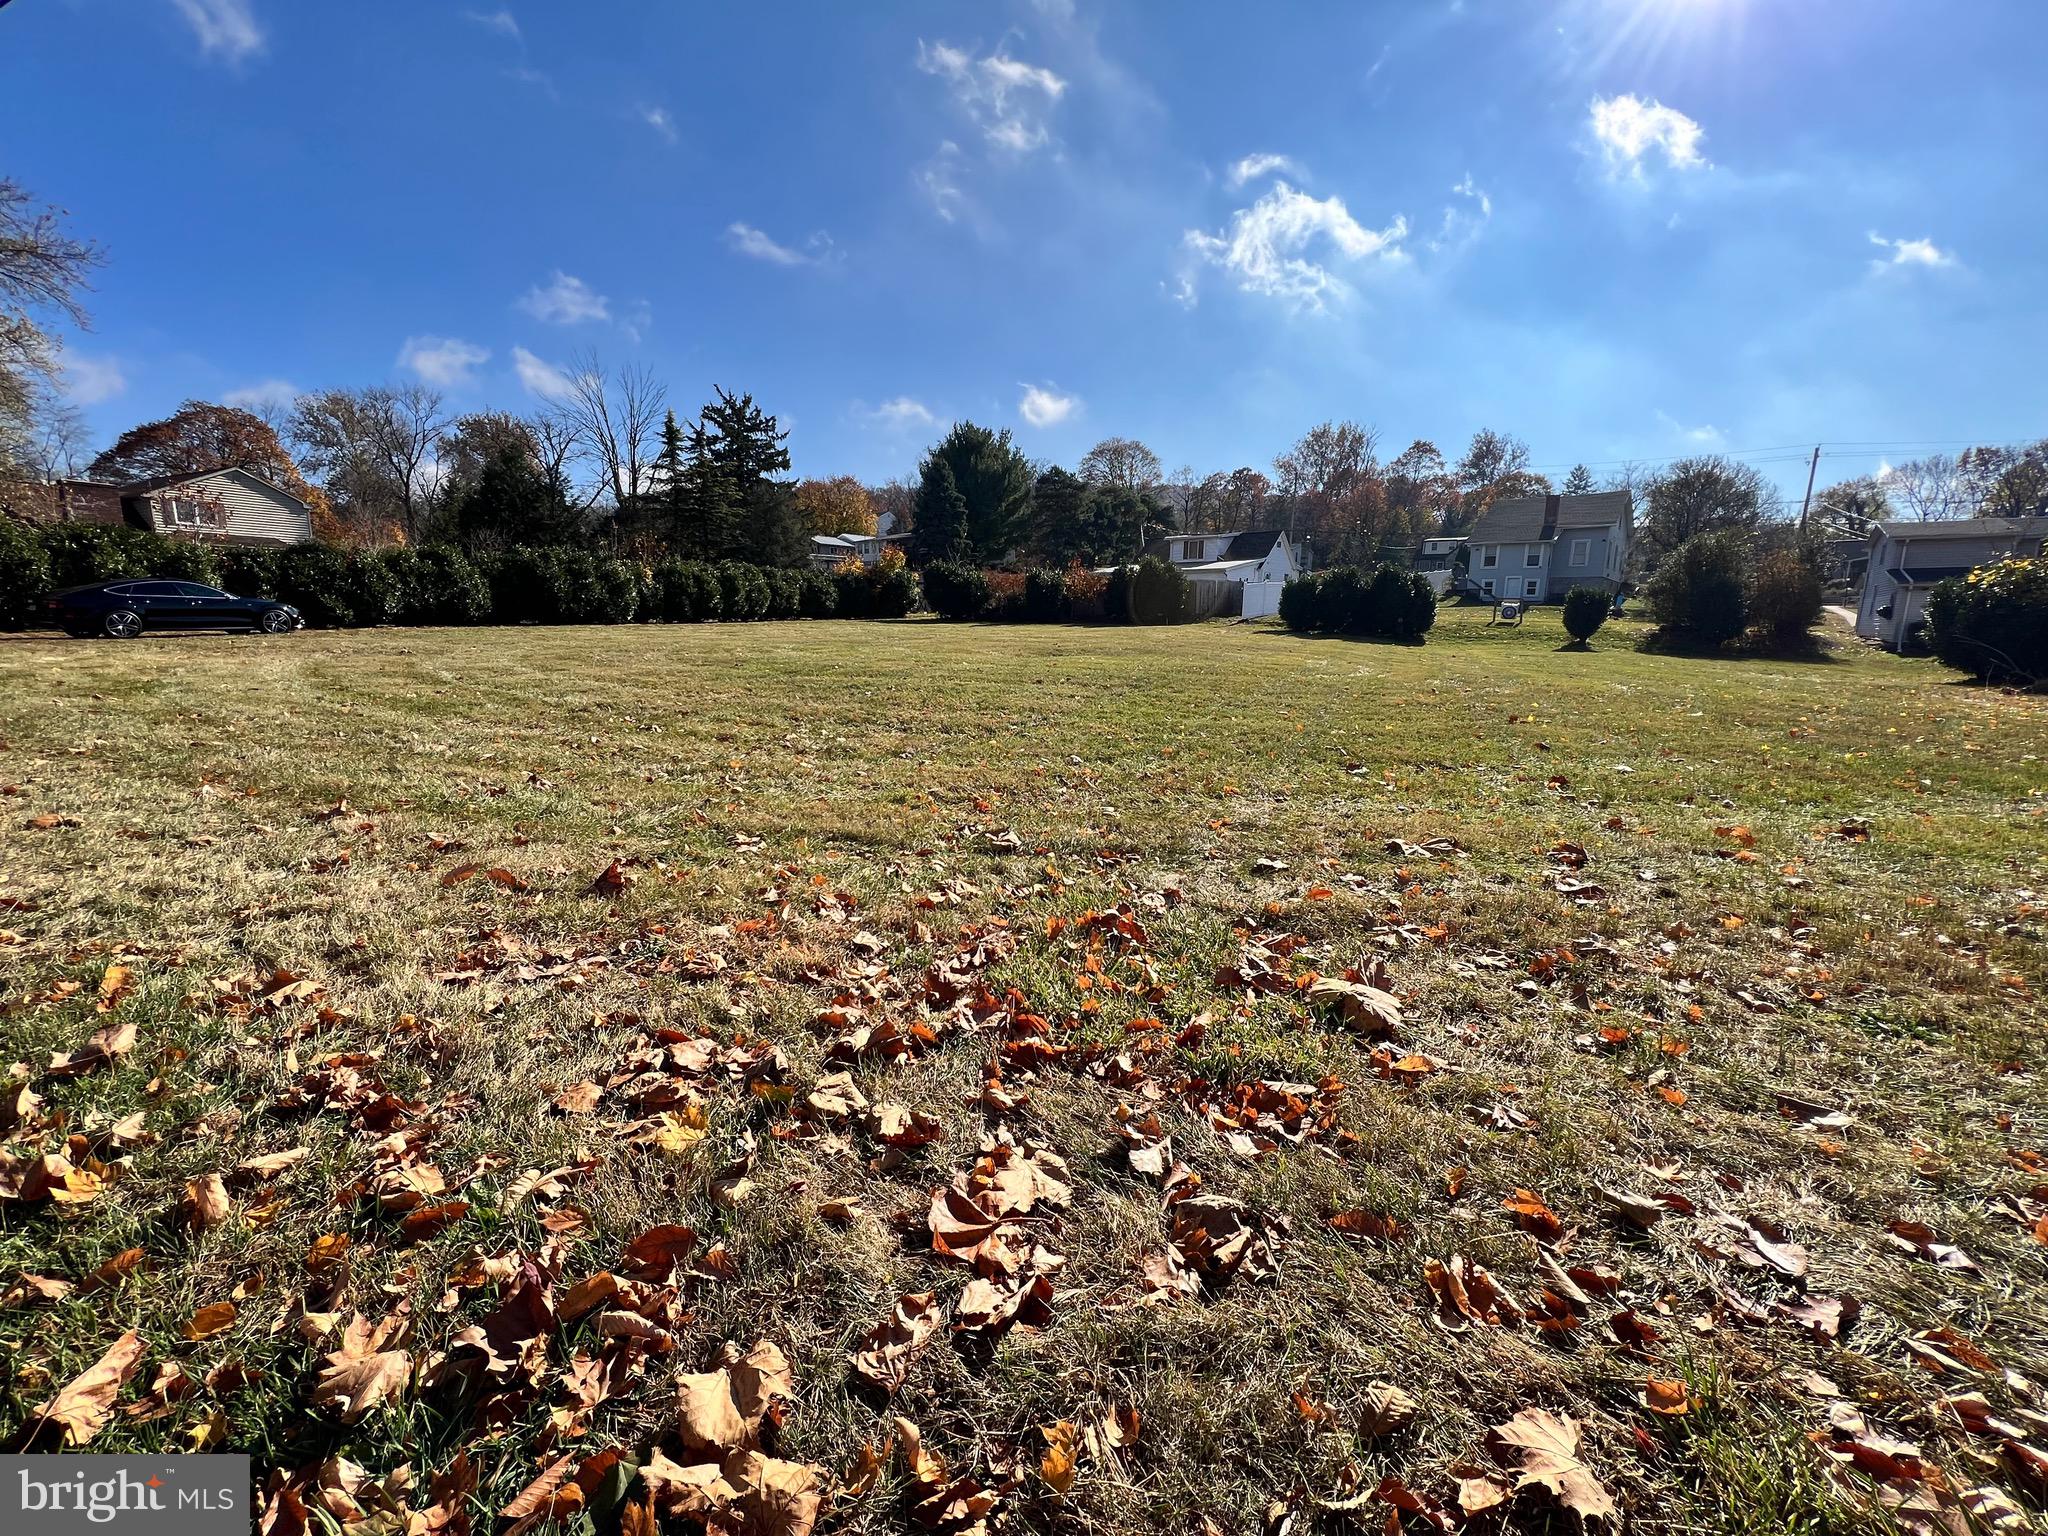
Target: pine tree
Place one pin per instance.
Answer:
(671, 479)
(939, 531)
(1579, 482)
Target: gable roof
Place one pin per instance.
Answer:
(1523, 519)
(1254, 544)
(155, 483)
(1963, 528)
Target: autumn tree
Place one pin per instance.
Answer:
(1422, 494)
(1707, 494)
(2005, 481)
(1494, 468)
(43, 272)
(1330, 486)
(1851, 505)
(200, 436)
(1122, 462)
(1928, 490)
(376, 451)
(895, 505)
(840, 505)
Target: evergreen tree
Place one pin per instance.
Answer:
(993, 479)
(939, 531)
(1579, 482)
(1068, 522)
(671, 480)
(736, 509)
(512, 503)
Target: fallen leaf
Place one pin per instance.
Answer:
(83, 1407)
(1549, 1447)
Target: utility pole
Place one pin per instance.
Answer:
(1808, 502)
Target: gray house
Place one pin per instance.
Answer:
(223, 506)
(1537, 548)
(1908, 560)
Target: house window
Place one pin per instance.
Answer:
(1193, 549)
(1532, 587)
(1581, 548)
(1486, 586)
(184, 514)
(1488, 556)
(1534, 557)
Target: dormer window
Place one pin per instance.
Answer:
(1194, 549)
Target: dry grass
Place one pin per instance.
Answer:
(747, 772)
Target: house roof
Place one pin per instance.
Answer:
(1962, 528)
(1925, 575)
(1523, 519)
(1252, 544)
(1220, 568)
(841, 540)
(152, 483)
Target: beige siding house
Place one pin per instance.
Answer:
(228, 506)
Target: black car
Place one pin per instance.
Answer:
(124, 609)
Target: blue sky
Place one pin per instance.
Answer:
(1617, 228)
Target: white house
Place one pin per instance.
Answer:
(1908, 560)
(1537, 548)
(1260, 560)
(225, 506)
(831, 549)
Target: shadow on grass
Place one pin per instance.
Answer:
(1809, 653)
(1295, 634)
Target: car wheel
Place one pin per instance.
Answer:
(275, 621)
(123, 623)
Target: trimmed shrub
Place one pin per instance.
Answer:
(818, 596)
(1344, 602)
(1415, 614)
(1994, 621)
(1045, 597)
(1159, 593)
(1116, 594)
(1698, 595)
(670, 590)
(956, 591)
(1086, 590)
(893, 591)
(249, 572)
(24, 576)
(372, 586)
(785, 592)
(1387, 598)
(183, 559)
(437, 586)
(86, 552)
(1784, 599)
(1585, 610)
(742, 589)
(314, 579)
(1005, 596)
(1301, 602)
(850, 585)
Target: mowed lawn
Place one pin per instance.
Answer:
(380, 1005)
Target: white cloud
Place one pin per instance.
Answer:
(901, 412)
(275, 393)
(1468, 189)
(1183, 292)
(224, 27)
(442, 361)
(1909, 253)
(565, 300)
(500, 21)
(1264, 244)
(939, 178)
(749, 241)
(90, 380)
(1463, 221)
(658, 119)
(1704, 436)
(1043, 407)
(539, 79)
(1630, 130)
(539, 376)
(1253, 167)
(1006, 98)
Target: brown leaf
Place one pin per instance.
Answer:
(1362, 1223)
(209, 1320)
(890, 1345)
(1532, 1215)
(87, 1402)
(612, 881)
(206, 1204)
(761, 1381)
(363, 1372)
(1666, 1397)
(1363, 1008)
(102, 1048)
(777, 1498)
(706, 1417)
(1058, 1465)
(1548, 1444)
(578, 1098)
(537, 1501)
(657, 1251)
(1386, 1410)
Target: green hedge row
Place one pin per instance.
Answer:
(1151, 592)
(1389, 603)
(338, 589)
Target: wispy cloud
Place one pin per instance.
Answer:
(539, 79)
(565, 300)
(227, 28)
(502, 22)
(1463, 220)
(898, 414)
(442, 361)
(540, 377)
(1008, 99)
(91, 380)
(749, 241)
(1254, 167)
(1045, 407)
(939, 179)
(1909, 253)
(1705, 435)
(1264, 246)
(276, 394)
(1631, 132)
(658, 119)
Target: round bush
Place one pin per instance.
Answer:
(1994, 621)
(371, 586)
(818, 597)
(1784, 598)
(1698, 595)
(956, 591)
(1301, 602)
(856, 597)
(892, 592)
(1159, 593)
(1344, 602)
(1387, 602)
(1585, 610)
(1045, 597)
(24, 575)
(1415, 615)
(785, 592)
(185, 560)
(743, 590)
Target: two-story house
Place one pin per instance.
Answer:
(1534, 549)
(1908, 560)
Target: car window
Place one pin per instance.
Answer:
(152, 589)
(194, 589)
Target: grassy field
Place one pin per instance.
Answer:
(382, 1004)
